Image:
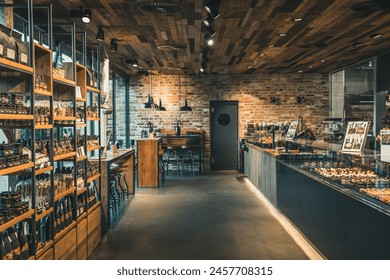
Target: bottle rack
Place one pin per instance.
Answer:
(62, 220)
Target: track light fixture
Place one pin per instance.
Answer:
(84, 14)
(100, 34)
(205, 59)
(212, 9)
(203, 66)
(208, 21)
(87, 16)
(132, 61)
(210, 31)
(209, 40)
(114, 45)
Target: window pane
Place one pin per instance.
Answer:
(120, 110)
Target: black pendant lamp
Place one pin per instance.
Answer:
(185, 107)
(150, 103)
(160, 107)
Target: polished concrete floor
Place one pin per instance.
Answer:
(214, 217)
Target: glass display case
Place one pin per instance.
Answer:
(266, 135)
(362, 175)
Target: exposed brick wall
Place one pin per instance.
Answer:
(253, 93)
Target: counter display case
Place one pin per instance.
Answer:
(337, 200)
(363, 174)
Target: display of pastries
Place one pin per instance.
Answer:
(382, 194)
(366, 181)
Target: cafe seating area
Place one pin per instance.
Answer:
(183, 154)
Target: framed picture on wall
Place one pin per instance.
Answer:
(355, 136)
(292, 130)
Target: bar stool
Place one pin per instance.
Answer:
(117, 189)
(113, 199)
(173, 154)
(191, 148)
(187, 154)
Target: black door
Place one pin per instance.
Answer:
(224, 135)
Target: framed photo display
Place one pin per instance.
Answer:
(292, 130)
(355, 136)
(385, 145)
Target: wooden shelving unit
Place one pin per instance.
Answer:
(42, 92)
(16, 220)
(94, 148)
(43, 170)
(61, 195)
(11, 65)
(43, 126)
(89, 180)
(15, 169)
(81, 191)
(18, 117)
(48, 246)
(64, 118)
(63, 232)
(93, 119)
(43, 214)
(64, 81)
(64, 156)
(92, 89)
(38, 85)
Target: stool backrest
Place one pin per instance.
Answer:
(193, 140)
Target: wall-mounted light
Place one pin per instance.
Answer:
(100, 34)
(84, 14)
(274, 100)
(301, 99)
(114, 45)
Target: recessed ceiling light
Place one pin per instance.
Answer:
(310, 66)
(376, 36)
(300, 71)
(210, 42)
(270, 46)
(282, 34)
(250, 67)
(262, 54)
(322, 61)
(297, 19)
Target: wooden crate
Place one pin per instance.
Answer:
(65, 248)
(82, 228)
(94, 229)
(48, 255)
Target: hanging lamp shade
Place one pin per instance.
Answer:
(150, 103)
(160, 107)
(185, 107)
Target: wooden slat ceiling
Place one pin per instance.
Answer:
(247, 34)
